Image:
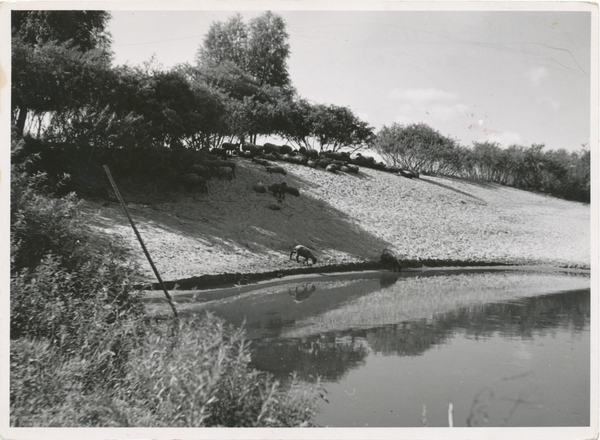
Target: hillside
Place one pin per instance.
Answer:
(343, 218)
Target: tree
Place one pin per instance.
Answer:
(57, 59)
(259, 49)
(268, 50)
(416, 147)
(336, 127)
(225, 42)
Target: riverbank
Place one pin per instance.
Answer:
(346, 220)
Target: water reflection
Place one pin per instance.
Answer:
(332, 354)
(304, 293)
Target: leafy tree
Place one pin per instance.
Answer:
(336, 127)
(85, 28)
(259, 49)
(268, 50)
(225, 42)
(57, 56)
(416, 147)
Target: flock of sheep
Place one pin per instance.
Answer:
(265, 155)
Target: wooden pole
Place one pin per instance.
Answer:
(139, 237)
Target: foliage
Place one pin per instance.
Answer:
(82, 353)
(84, 28)
(259, 49)
(57, 59)
(326, 126)
(416, 147)
(336, 127)
(178, 374)
(268, 50)
(421, 148)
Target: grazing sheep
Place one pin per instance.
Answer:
(215, 165)
(269, 156)
(263, 162)
(278, 190)
(227, 146)
(285, 149)
(388, 258)
(304, 252)
(409, 174)
(277, 170)
(259, 187)
(323, 163)
(333, 155)
(312, 163)
(271, 148)
(312, 154)
(193, 181)
(219, 152)
(252, 149)
(332, 168)
(352, 168)
(293, 191)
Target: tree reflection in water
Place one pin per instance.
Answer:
(331, 355)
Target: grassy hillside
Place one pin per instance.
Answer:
(343, 218)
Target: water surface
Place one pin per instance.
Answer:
(505, 349)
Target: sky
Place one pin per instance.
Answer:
(503, 76)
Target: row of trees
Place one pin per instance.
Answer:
(238, 89)
(420, 147)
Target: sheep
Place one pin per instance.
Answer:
(263, 162)
(332, 168)
(227, 146)
(409, 174)
(216, 164)
(219, 152)
(252, 149)
(293, 191)
(259, 187)
(304, 252)
(192, 181)
(312, 154)
(285, 149)
(352, 168)
(388, 258)
(269, 156)
(278, 190)
(271, 148)
(277, 170)
(323, 163)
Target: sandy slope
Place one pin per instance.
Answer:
(345, 218)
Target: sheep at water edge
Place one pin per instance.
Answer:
(304, 252)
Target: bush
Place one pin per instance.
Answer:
(178, 374)
(82, 354)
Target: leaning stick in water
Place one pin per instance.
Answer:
(139, 237)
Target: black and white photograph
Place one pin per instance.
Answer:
(311, 215)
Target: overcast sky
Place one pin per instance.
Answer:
(508, 77)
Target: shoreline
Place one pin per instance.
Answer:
(238, 279)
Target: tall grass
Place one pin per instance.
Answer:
(83, 352)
